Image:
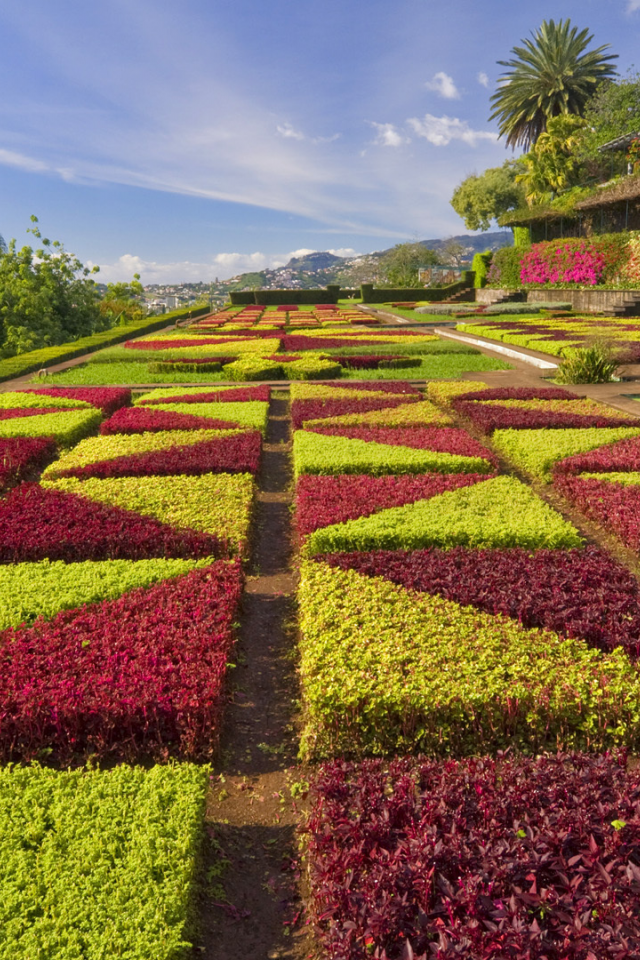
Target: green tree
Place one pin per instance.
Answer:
(613, 111)
(123, 302)
(481, 199)
(551, 74)
(47, 297)
(552, 164)
(400, 265)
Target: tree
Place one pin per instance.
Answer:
(400, 265)
(453, 253)
(481, 199)
(550, 75)
(552, 166)
(123, 302)
(47, 297)
(613, 111)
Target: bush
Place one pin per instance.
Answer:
(313, 369)
(504, 272)
(254, 369)
(400, 363)
(181, 366)
(590, 364)
(480, 266)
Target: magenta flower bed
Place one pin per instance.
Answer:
(238, 394)
(440, 439)
(303, 410)
(576, 593)
(519, 393)
(621, 456)
(321, 501)
(148, 420)
(490, 418)
(526, 859)
(37, 523)
(107, 399)
(134, 678)
(612, 505)
(238, 453)
(22, 457)
(573, 261)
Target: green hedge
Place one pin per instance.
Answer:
(480, 266)
(37, 359)
(371, 294)
(270, 298)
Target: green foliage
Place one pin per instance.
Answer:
(400, 363)
(30, 590)
(321, 454)
(521, 236)
(505, 268)
(124, 302)
(312, 368)
(252, 413)
(594, 363)
(613, 111)
(481, 199)
(67, 427)
(168, 367)
(480, 266)
(216, 503)
(120, 372)
(400, 265)
(18, 399)
(253, 369)
(99, 863)
(536, 451)
(551, 165)
(551, 74)
(500, 512)
(385, 670)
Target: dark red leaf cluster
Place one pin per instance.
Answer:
(612, 505)
(291, 342)
(148, 420)
(13, 413)
(440, 439)
(176, 343)
(37, 523)
(576, 593)
(489, 418)
(519, 393)
(134, 678)
(237, 394)
(237, 453)
(107, 399)
(377, 386)
(21, 458)
(215, 358)
(622, 456)
(321, 501)
(302, 410)
(528, 859)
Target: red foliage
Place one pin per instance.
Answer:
(321, 501)
(176, 343)
(624, 455)
(527, 859)
(291, 342)
(107, 399)
(440, 439)
(238, 453)
(519, 393)
(11, 413)
(134, 678)
(614, 506)
(302, 410)
(237, 394)
(23, 457)
(148, 420)
(378, 386)
(576, 593)
(37, 523)
(490, 418)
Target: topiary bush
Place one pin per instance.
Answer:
(400, 363)
(313, 368)
(254, 368)
(480, 266)
(180, 366)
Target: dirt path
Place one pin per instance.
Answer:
(250, 904)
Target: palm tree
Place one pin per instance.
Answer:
(552, 74)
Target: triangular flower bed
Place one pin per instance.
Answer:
(614, 506)
(176, 395)
(22, 457)
(107, 399)
(134, 678)
(322, 501)
(143, 420)
(12, 413)
(303, 410)
(580, 593)
(442, 439)
(621, 456)
(38, 524)
(537, 451)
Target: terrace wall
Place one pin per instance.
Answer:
(582, 301)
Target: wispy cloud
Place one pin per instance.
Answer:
(388, 135)
(442, 130)
(633, 5)
(443, 84)
(483, 79)
(289, 132)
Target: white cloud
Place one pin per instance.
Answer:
(443, 84)
(288, 132)
(344, 252)
(442, 130)
(633, 5)
(483, 79)
(10, 159)
(388, 135)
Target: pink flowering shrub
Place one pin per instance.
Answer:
(22, 457)
(37, 523)
(148, 420)
(581, 593)
(237, 453)
(614, 506)
(324, 500)
(526, 859)
(575, 260)
(107, 399)
(136, 678)
(237, 394)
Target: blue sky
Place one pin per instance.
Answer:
(197, 139)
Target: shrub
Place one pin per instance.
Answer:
(575, 261)
(78, 844)
(254, 370)
(589, 364)
(476, 858)
(312, 369)
(504, 271)
(400, 363)
(480, 266)
(183, 366)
